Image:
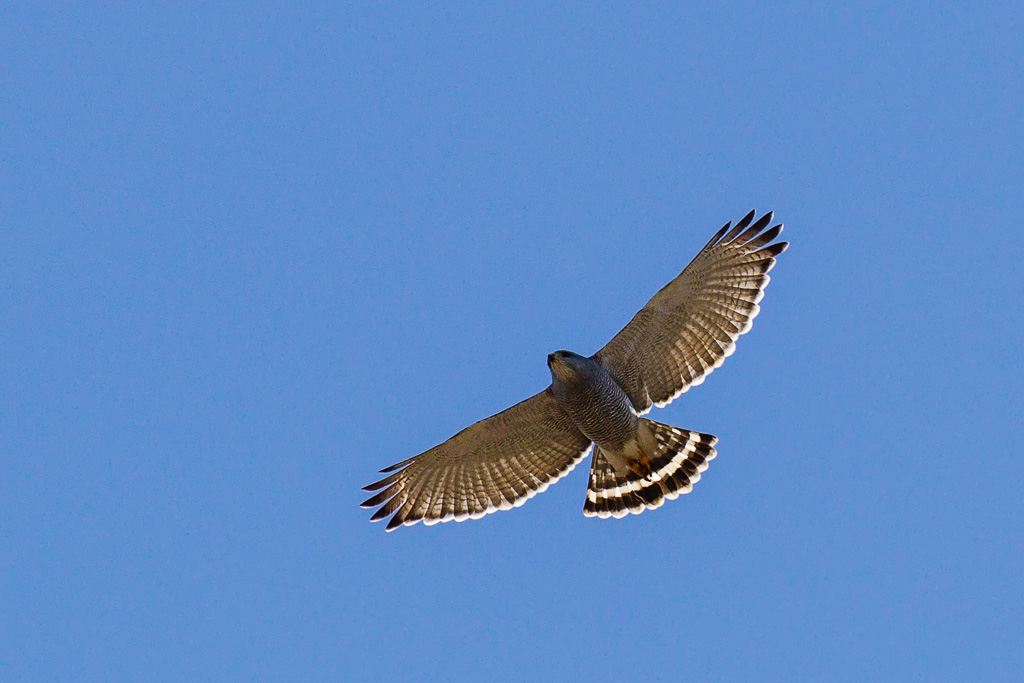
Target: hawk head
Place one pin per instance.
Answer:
(565, 365)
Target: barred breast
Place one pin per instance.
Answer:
(591, 397)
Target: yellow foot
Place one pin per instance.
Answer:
(641, 467)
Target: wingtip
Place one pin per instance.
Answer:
(379, 515)
(380, 497)
(397, 466)
(717, 236)
(740, 226)
(396, 522)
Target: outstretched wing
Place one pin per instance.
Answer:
(495, 464)
(688, 328)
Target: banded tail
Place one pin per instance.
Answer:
(676, 458)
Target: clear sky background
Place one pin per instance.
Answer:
(253, 252)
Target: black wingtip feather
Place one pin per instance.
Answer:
(399, 519)
(383, 482)
(379, 515)
(773, 250)
(758, 241)
(744, 222)
(388, 508)
(757, 227)
(717, 236)
(397, 465)
(378, 498)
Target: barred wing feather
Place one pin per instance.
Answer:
(691, 326)
(495, 464)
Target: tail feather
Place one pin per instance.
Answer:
(676, 458)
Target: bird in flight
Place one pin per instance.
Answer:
(683, 333)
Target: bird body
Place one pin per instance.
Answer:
(683, 333)
(598, 406)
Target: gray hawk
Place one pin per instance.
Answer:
(683, 333)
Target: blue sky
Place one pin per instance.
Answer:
(254, 252)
